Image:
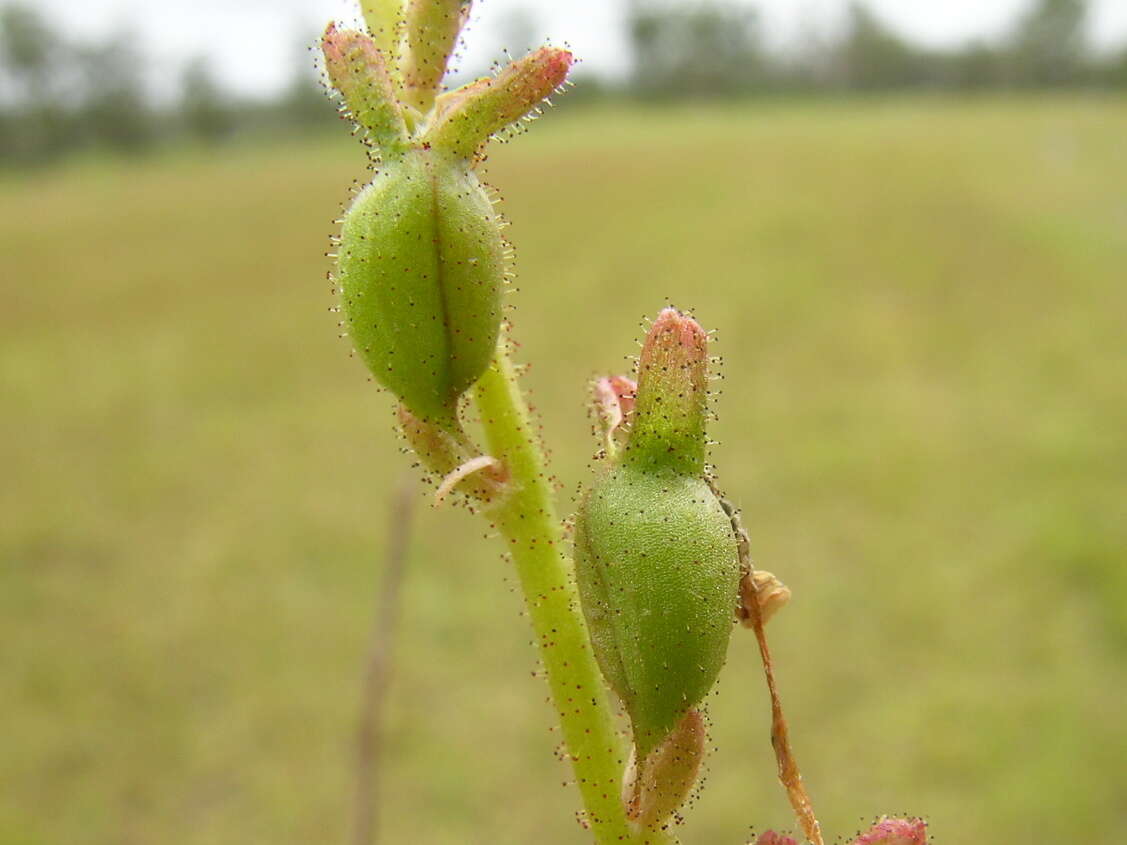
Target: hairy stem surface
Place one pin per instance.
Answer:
(533, 534)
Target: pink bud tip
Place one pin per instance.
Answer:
(672, 329)
(676, 341)
(532, 79)
(772, 838)
(553, 65)
(895, 832)
(358, 69)
(468, 115)
(348, 55)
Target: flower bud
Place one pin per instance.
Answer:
(419, 271)
(895, 832)
(655, 553)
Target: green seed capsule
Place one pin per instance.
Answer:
(419, 270)
(421, 257)
(655, 553)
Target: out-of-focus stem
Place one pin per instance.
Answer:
(533, 534)
(377, 672)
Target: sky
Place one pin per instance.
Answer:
(254, 45)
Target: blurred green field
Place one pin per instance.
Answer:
(922, 309)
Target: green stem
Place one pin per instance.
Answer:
(534, 536)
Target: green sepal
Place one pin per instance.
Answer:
(385, 20)
(432, 28)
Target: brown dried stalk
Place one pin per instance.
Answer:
(377, 672)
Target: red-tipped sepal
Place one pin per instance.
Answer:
(359, 71)
(467, 117)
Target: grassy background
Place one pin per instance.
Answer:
(922, 308)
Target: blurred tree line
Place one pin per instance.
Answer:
(717, 48)
(59, 96)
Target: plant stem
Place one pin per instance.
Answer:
(527, 520)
